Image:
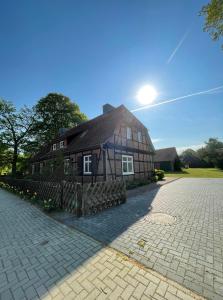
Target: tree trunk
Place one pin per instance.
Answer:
(14, 159)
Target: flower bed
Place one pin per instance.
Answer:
(47, 204)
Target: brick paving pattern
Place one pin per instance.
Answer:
(190, 251)
(43, 259)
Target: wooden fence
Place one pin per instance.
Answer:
(102, 195)
(73, 197)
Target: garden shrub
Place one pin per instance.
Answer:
(154, 178)
(177, 165)
(160, 174)
(157, 175)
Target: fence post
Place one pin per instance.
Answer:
(79, 200)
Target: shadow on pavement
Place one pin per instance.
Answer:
(111, 223)
(37, 253)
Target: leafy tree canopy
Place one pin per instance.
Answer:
(56, 111)
(213, 151)
(213, 13)
(5, 158)
(210, 155)
(192, 158)
(16, 129)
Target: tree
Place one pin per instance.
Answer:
(56, 111)
(213, 13)
(211, 155)
(5, 158)
(16, 129)
(213, 150)
(192, 158)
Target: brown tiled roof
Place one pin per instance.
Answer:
(166, 154)
(89, 134)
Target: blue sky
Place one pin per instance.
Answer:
(98, 51)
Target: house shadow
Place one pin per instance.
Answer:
(47, 253)
(109, 224)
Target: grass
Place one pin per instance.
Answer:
(197, 172)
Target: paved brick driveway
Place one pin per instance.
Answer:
(190, 251)
(43, 259)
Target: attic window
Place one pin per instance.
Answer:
(139, 134)
(54, 147)
(61, 144)
(129, 133)
(83, 134)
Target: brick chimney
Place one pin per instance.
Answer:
(107, 108)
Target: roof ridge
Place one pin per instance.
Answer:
(91, 120)
(166, 148)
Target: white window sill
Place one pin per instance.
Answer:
(87, 173)
(129, 173)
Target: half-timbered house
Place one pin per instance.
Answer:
(112, 146)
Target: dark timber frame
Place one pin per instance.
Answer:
(106, 159)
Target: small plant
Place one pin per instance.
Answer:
(141, 243)
(33, 198)
(121, 256)
(49, 205)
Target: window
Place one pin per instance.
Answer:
(54, 147)
(84, 133)
(61, 144)
(87, 164)
(41, 168)
(139, 134)
(129, 133)
(127, 165)
(66, 166)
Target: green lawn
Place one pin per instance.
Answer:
(197, 172)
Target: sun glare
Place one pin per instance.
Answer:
(146, 95)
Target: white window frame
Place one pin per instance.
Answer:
(129, 133)
(87, 161)
(66, 166)
(129, 159)
(54, 147)
(139, 136)
(61, 144)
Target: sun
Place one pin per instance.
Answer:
(147, 94)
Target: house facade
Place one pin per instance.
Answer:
(112, 146)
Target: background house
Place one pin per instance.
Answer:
(111, 146)
(167, 159)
